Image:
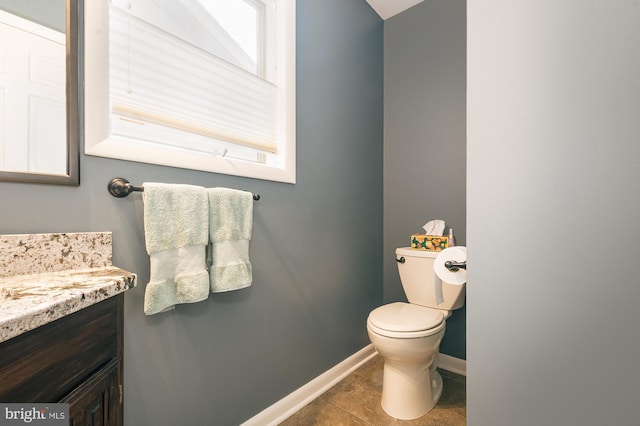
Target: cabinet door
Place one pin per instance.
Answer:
(97, 401)
(45, 364)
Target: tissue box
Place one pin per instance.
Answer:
(429, 242)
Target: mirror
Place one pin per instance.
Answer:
(39, 91)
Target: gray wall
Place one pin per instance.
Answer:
(424, 135)
(316, 248)
(553, 208)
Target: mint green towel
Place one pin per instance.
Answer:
(230, 225)
(176, 225)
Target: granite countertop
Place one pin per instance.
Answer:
(29, 301)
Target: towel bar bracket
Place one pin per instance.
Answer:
(120, 188)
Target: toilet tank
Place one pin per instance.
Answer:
(417, 276)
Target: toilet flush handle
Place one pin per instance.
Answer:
(401, 260)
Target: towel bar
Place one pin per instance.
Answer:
(120, 188)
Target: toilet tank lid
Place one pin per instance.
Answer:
(405, 317)
(408, 251)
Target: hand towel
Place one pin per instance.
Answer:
(230, 225)
(176, 226)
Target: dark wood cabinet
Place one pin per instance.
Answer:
(76, 360)
(96, 402)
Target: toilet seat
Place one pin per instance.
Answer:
(404, 320)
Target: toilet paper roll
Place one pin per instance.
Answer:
(454, 254)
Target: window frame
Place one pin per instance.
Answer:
(97, 109)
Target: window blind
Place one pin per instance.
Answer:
(159, 79)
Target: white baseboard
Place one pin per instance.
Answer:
(293, 402)
(297, 399)
(455, 365)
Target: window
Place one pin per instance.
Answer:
(198, 84)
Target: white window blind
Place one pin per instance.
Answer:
(160, 81)
(181, 83)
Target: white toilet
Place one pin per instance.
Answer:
(407, 336)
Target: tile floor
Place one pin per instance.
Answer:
(356, 401)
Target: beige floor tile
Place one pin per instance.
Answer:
(371, 372)
(356, 401)
(321, 413)
(357, 396)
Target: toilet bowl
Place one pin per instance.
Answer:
(407, 336)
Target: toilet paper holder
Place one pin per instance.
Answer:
(454, 266)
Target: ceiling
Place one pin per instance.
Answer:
(387, 8)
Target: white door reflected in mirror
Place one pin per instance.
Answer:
(33, 136)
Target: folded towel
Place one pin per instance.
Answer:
(230, 224)
(176, 225)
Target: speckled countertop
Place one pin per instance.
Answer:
(64, 274)
(29, 301)
(26, 254)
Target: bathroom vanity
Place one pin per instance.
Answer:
(61, 330)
